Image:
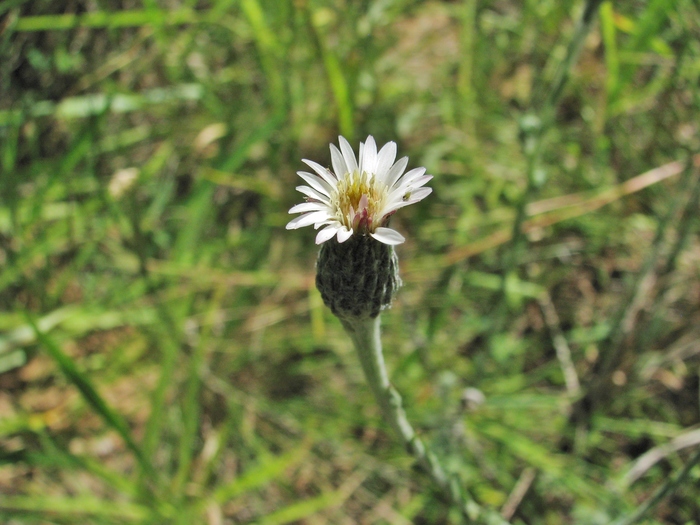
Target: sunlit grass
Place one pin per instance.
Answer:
(164, 355)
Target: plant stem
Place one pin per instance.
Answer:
(365, 334)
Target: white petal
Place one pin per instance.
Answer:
(361, 158)
(339, 166)
(421, 181)
(391, 206)
(385, 158)
(348, 154)
(326, 233)
(398, 202)
(313, 194)
(396, 206)
(388, 236)
(419, 194)
(412, 175)
(323, 172)
(344, 234)
(308, 206)
(369, 159)
(324, 223)
(409, 186)
(316, 183)
(396, 171)
(307, 219)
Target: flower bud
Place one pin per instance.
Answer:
(358, 278)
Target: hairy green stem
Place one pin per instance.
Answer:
(365, 334)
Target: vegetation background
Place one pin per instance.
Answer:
(164, 354)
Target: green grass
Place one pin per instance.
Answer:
(164, 354)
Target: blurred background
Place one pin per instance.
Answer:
(164, 354)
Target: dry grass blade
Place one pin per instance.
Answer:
(656, 454)
(518, 493)
(551, 319)
(559, 209)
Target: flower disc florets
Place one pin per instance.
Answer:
(358, 196)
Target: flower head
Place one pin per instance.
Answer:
(358, 196)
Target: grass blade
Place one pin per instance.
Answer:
(130, 18)
(76, 506)
(336, 79)
(93, 398)
(270, 469)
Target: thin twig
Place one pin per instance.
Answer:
(656, 454)
(664, 491)
(518, 492)
(561, 346)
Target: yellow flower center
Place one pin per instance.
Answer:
(358, 201)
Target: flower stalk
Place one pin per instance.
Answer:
(357, 274)
(365, 335)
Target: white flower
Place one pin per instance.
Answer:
(358, 197)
